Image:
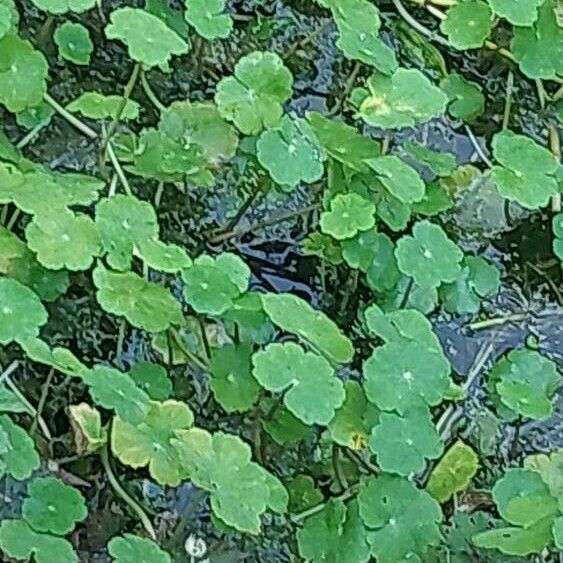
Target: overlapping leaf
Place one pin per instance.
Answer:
(129, 548)
(209, 19)
(517, 12)
(95, 105)
(18, 457)
(348, 214)
(467, 24)
(466, 99)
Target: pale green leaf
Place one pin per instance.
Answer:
(209, 19)
(74, 43)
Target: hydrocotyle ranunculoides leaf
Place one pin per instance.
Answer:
(241, 490)
(117, 391)
(252, 98)
(208, 18)
(149, 40)
(401, 100)
(293, 314)
(429, 256)
(402, 520)
(527, 171)
(18, 456)
(453, 472)
(403, 443)
(148, 443)
(468, 24)
(518, 12)
(129, 548)
(291, 153)
(348, 215)
(74, 43)
(95, 105)
(144, 304)
(21, 312)
(336, 533)
(312, 391)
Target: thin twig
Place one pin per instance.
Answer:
(508, 100)
(73, 120)
(349, 493)
(42, 401)
(477, 146)
(127, 498)
(495, 321)
(30, 135)
(8, 371)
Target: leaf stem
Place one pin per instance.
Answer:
(30, 135)
(338, 473)
(508, 100)
(415, 24)
(42, 399)
(73, 120)
(127, 498)
(184, 349)
(495, 321)
(150, 94)
(555, 146)
(349, 493)
(477, 146)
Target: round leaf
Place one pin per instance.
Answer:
(517, 12)
(467, 24)
(466, 99)
(133, 549)
(208, 18)
(94, 105)
(74, 43)
(18, 457)
(349, 214)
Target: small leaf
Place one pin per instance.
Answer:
(303, 493)
(74, 43)
(429, 256)
(232, 383)
(94, 105)
(53, 507)
(144, 304)
(86, 422)
(285, 428)
(66, 240)
(348, 215)
(312, 392)
(18, 457)
(291, 153)
(152, 379)
(401, 100)
(467, 24)
(149, 40)
(293, 314)
(527, 171)
(453, 472)
(150, 442)
(466, 99)
(208, 18)
(394, 509)
(252, 99)
(23, 74)
(115, 390)
(440, 163)
(21, 312)
(402, 181)
(403, 443)
(517, 12)
(336, 533)
(129, 548)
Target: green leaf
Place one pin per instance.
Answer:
(527, 171)
(74, 43)
(58, 358)
(453, 472)
(86, 422)
(440, 163)
(65, 240)
(232, 383)
(323, 246)
(209, 19)
(8, 19)
(557, 227)
(516, 541)
(20, 541)
(312, 392)
(400, 179)
(358, 23)
(292, 314)
(252, 99)
(153, 379)
(466, 99)
(334, 534)
(37, 116)
(129, 548)
(435, 201)
(21, 312)
(18, 457)
(303, 493)
(517, 12)
(467, 24)
(64, 6)
(115, 390)
(53, 507)
(478, 279)
(525, 382)
(200, 124)
(213, 284)
(241, 490)
(9, 402)
(94, 105)
(401, 100)
(144, 304)
(403, 443)
(402, 520)
(172, 17)
(128, 226)
(557, 530)
(407, 294)
(342, 142)
(149, 40)
(19, 263)
(539, 50)
(151, 442)
(352, 422)
(348, 215)
(291, 153)
(285, 428)
(23, 74)
(429, 256)
(551, 470)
